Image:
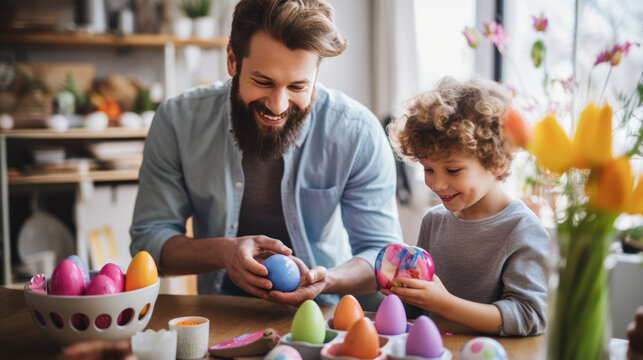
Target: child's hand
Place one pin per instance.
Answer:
(428, 295)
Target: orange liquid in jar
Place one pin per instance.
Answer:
(187, 323)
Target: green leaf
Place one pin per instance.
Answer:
(538, 53)
(80, 99)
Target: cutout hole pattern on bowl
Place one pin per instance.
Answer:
(39, 318)
(141, 315)
(80, 322)
(56, 320)
(125, 316)
(103, 321)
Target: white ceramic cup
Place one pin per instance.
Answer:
(191, 340)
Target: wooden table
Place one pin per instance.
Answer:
(229, 317)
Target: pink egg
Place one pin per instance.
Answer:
(67, 279)
(390, 318)
(424, 339)
(101, 285)
(115, 273)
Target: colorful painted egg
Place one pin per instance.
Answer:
(101, 285)
(482, 348)
(115, 273)
(390, 318)
(308, 324)
(81, 265)
(424, 339)
(67, 279)
(282, 272)
(141, 272)
(348, 311)
(361, 340)
(283, 352)
(397, 260)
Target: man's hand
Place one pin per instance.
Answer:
(98, 350)
(240, 261)
(311, 283)
(428, 295)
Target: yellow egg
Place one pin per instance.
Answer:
(141, 272)
(347, 312)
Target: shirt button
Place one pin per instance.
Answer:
(234, 225)
(238, 184)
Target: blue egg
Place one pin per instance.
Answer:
(282, 272)
(81, 265)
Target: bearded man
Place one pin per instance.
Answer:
(270, 162)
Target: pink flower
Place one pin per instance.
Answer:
(568, 84)
(473, 39)
(495, 33)
(511, 89)
(615, 55)
(540, 23)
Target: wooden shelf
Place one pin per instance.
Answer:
(108, 133)
(148, 40)
(72, 177)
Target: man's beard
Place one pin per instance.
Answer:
(267, 142)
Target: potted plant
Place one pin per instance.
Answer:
(199, 12)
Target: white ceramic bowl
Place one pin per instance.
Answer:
(70, 319)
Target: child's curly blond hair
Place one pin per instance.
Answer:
(456, 117)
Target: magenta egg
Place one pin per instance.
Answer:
(67, 279)
(424, 339)
(115, 273)
(390, 318)
(101, 285)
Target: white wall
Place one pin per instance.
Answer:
(351, 72)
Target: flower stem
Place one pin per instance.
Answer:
(605, 85)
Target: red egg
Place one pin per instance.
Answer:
(115, 273)
(101, 285)
(67, 279)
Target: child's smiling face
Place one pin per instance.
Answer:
(465, 186)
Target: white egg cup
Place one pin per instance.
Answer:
(154, 345)
(308, 350)
(394, 349)
(192, 340)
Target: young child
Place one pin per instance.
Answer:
(489, 249)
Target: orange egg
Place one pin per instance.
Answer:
(361, 340)
(347, 312)
(141, 272)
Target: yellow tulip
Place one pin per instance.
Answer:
(635, 203)
(592, 144)
(610, 186)
(551, 145)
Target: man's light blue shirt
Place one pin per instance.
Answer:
(337, 189)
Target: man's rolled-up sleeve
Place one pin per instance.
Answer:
(369, 209)
(162, 204)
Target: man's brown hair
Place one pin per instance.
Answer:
(298, 24)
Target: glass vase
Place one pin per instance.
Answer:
(579, 327)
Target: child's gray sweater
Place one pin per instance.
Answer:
(498, 260)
